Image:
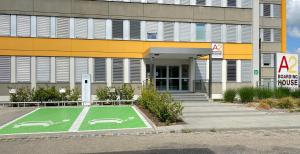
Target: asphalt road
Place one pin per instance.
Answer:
(227, 142)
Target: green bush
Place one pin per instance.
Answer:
(246, 94)
(73, 95)
(126, 92)
(22, 94)
(281, 92)
(161, 105)
(229, 95)
(45, 94)
(264, 93)
(296, 93)
(102, 93)
(286, 103)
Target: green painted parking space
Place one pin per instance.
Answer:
(43, 120)
(110, 118)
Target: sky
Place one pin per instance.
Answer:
(293, 26)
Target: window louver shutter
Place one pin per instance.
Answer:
(23, 69)
(217, 71)
(267, 59)
(231, 70)
(135, 30)
(5, 25)
(23, 26)
(246, 34)
(135, 0)
(201, 2)
(135, 70)
(5, 69)
(277, 37)
(117, 70)
(201, 70)
(62, 27)
(185, 2)
(185, 32)
(231, 3)
(246, 71)
(81, 67)
(169, 1)
(216, 2)
(81, 28)
(100, 69)
(216, 32)
(276, 10)
(43, 26)
(43, 69)
(99, 29)
(246, 3)
(152, 30)
(168, 31)
(200, 32)
(267, 34)
(152, 1)
(117, 29)
(267, 10)
(231, 34)
(62, 65)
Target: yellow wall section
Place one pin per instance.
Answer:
(104, 48)
(283, 25)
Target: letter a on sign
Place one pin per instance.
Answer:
(283, 64)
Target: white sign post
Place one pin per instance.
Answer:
(217, 50)
(86, 89)
(287, 70)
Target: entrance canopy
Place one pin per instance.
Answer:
(177, 53)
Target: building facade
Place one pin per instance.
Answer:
(54, 42)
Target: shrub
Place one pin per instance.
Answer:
(264, 93)
(160, 105)
(296, 93)
(263, 106)
(126, 92)
(271, 102)
(102, 93)
(281, 92)
(22, 94)
(44, 94)
(229, 95)
(286, 103)
(246, 94)
(73, 95)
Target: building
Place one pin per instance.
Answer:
(54, 42)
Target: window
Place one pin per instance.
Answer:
(5, 25)
(43, 69)
(267, 10)
(200, 70)
(185, 2)
(231, 33)
(62, 68)
(23, 26)
(43, 26)
(276, 10)
(201, 2)
(216, 71)
(267, 35)
(5, 69)
(231, 70)
(135, 70)
(81, 67)
(118, 67)
(169, 1)
(246, 34)
(216, 2)
(152, 30)
(62, 27)
(185, 31)
(231, 3)
(200, 32)
(117, 29)
(246, 3)
(81, 28)
(99, 29)
(23, 69)
(246, 69)
(216, 33)
(152, 1)
(277, 35)
(169, 31)
(135, 30)
(267, 60)
(100, 69)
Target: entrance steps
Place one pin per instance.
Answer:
(190, 97)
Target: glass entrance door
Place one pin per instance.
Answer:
(174, 78)
(161, 78)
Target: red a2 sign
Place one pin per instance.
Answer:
(287, 70)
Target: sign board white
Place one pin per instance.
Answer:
(287, 70)
(217, 50)
(86, 89)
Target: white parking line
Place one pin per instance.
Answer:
(79, 120)
(142, 117)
